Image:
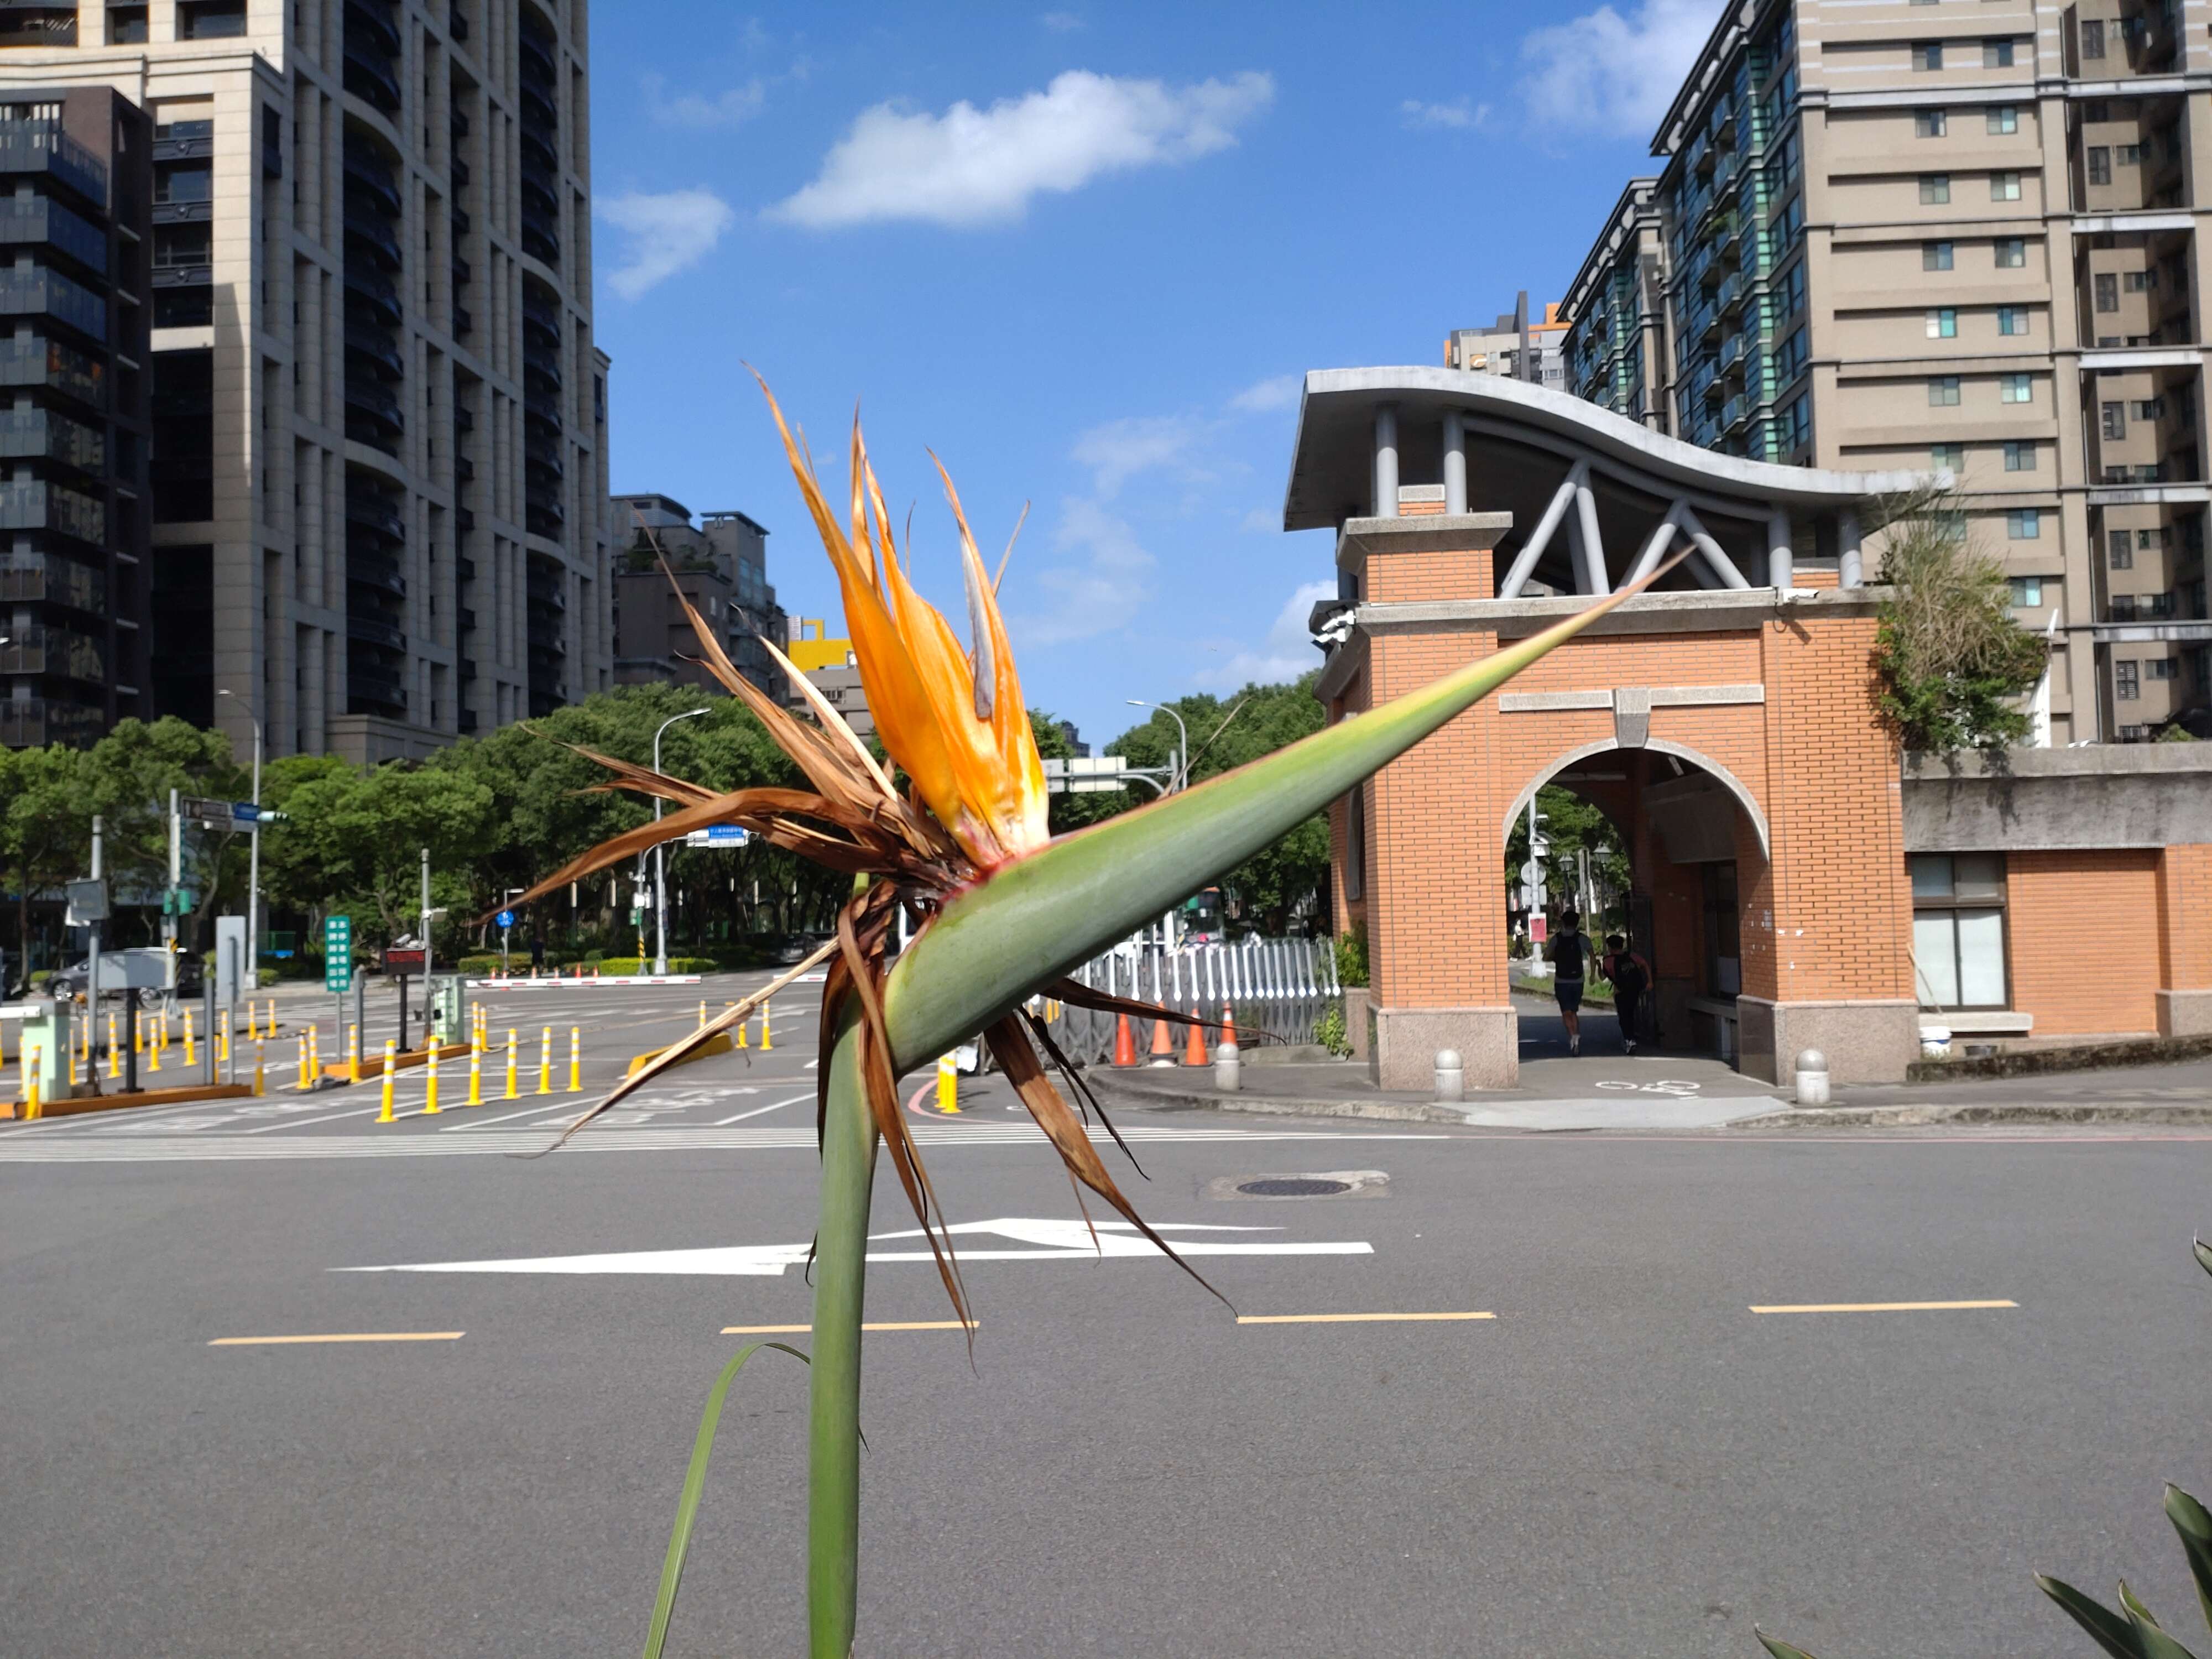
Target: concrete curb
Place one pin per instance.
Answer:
(1919, 1116)
(2043, 1062)
(1206, 1099)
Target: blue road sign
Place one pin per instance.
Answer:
(244, 812)
(505, 918)
(718, 834)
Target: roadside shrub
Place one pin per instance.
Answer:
(1329, 1031)
(1351, 957)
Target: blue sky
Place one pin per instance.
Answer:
(1084, 255)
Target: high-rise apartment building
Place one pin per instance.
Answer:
(1959, 236)
(76, 166)
(378, 443)
(1516, 346)
(720, 565)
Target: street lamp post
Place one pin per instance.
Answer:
(253, 859)
(661, 859)
(1179, 774)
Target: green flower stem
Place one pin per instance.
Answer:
(841, 1262)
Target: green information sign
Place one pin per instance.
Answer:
(337, 954)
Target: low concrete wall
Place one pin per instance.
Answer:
(2106, 795)
(1865, 1042)
(1403, 1042)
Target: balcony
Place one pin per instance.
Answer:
(378, 572)
(370, 513)
(537, 147)
(546, 639)
(373, 630)
(1731, 295)
(541, 367)
(378, 349)
(374, 292)
(35, 220)
(172, 145)
(373, 235)
(464, 322)
(1734, 414)
(39, 292)
(374, 688)
(42, 146)
(540, 243)
(1713, 390)
(1728, 239)
(464, 469)
(41, 576)
(372, 416)
(1724, 119)
(539, 195)
(48, 435)
(539, 54)
(541, 319)
(34, 722)
(41, 505)
(468, 620)
(41, 648)
(1733, 354)
(370, 76)
(538, 106)
(366, 174)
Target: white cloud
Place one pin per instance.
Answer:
(697, 113)
(1606, 73)
(1262, 520)
(1459, 116)
(1287, 652)
(1104, 581)
(1062, 22)
(1119, 450)
(1277, 392)
(668, 232)
(969, 167)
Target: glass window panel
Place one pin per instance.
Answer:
(1935, 958)
(1981, 958)
(1979, 875)
(1931, 875)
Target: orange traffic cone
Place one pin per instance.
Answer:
(1228, 1023)
(1125, 1046)
(1193, 1048)
(1163, 1047)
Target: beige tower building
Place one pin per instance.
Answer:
(379, 440)
(1949, 234)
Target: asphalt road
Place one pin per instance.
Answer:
(1626, 1460)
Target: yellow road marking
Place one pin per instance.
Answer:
(786, 1330)
(355, 1336)
(1877, 1307)
(1349, 1318)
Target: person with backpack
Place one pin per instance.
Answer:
(1570, 954)
(1631, 979)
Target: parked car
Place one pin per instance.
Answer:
(797, 947)
(145, 971)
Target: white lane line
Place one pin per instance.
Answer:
(723, 1122)
(486, 1122)
(302, 1122)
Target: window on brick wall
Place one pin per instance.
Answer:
(2100, 164)
(2003, 118)
(1355, 842)
(1934, 188)
(2127, 681)
(1928, 55)
(1936, 256)
(1996, 54)
(1959, 929)
(1930, 122)
(2121, 550)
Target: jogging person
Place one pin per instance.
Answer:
(1631, 977)
(1570, 954)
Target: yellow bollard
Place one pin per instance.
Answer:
(300, 1063)
(27, 1060)
(948, 1085)
(138, 1034)
(188, 1037)
(430, 1081)
(476, 1074)
(741, 1034)
(702, 1013)
(391, 1069)
(314, 1055)
(261, 1087)
(114, 1053)
(575, 1059)
(545, 1061)
(153, 1057)
(511, 1092)
(224, 1054)
(353, 1053)
(767, 1040)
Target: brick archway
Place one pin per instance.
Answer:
(1744, 798)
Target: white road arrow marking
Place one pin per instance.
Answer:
(1065, 1240)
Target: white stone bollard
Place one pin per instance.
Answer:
(1225, 1068)
(1451, 1080)
(1812, 1078)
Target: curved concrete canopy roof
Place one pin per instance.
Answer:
(1332, 458)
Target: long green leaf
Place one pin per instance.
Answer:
(2194, 1523)
(2204, 1255)
(695, 1483)
(1780, 1649)
(1038, 918)
(2111, 1632)
(841, 1265)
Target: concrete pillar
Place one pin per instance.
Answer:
(1780, 559)
(1386, 461)
(1849, 561)
(1455, 463)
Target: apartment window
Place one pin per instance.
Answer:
(1959, 929)
(1929, 123)
(183, 184)
(2012, 252)
(1793, 291)
(2002, 119)
(2019, 456)
(2122, 554)
(1996, 54)
(2161, 668)
(1928, 55)
(2127, 681)
(2146, 409)
(2100, 164)
(1796, 425)
(2024, 524)
(2004, 186)
(2138, 282)
(2127, 156)
(1947, 458)
(1934, 188)
(2093, 37)
(2108, 291)
(2027, 592)
(1936, 256)
(2115, 421)
(1943, 391)
(2012, 319)
(1943, 323)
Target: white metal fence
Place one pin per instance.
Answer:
(1279, 986)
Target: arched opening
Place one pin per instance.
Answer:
(1695, 845)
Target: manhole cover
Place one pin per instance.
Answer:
(1292, 1187)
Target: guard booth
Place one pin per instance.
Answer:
(1724, 722)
